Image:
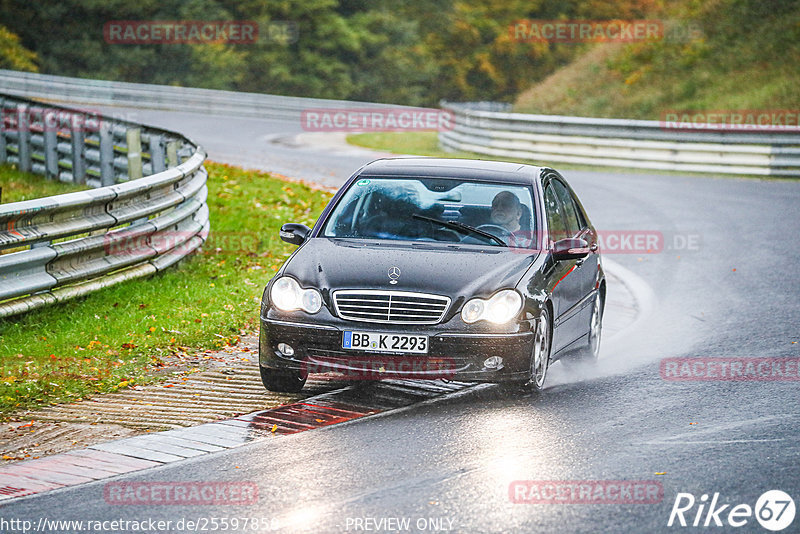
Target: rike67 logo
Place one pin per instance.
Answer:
(774, 510)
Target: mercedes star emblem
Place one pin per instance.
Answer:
(394, 274)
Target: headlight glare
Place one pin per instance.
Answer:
(503, 306)
(500, 308)
(287, 295)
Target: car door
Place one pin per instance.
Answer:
(585, 269)
(567, 289)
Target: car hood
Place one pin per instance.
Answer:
(452, 270)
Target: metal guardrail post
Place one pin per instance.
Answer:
(24, 138)
(3, 111)
(133, 137)
(172, 154)
(49, 133)
(106, 153)
(157, 160)
(3, 148)
(78, 150)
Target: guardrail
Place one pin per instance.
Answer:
(620, 143)
(210, 101)
(147, 209)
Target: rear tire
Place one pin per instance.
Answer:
(590, 353)
(592, 350)
(282, 380)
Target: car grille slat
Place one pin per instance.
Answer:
(353, 300)
(358, 312)
(379, 306)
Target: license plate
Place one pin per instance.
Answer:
(385, 342)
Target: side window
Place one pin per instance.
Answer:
(569, 210)
(555, 221)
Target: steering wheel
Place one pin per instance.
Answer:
(500, 231)
(492, 228)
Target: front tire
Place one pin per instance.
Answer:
(540, 355)
(282, 380)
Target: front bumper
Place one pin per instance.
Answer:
(451, 354)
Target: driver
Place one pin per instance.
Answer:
(507, 211)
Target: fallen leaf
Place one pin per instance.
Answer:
(274, 428)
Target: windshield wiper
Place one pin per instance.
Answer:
(464, 228)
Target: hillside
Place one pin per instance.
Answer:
(720, 55)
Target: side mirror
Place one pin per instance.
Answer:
(570, 249)
(295, 233)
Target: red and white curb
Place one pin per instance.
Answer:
(113, 458)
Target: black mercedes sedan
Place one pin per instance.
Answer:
(437, 268)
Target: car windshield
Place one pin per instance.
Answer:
(439, 210)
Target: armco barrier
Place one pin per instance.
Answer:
(139, 95)
(148, 183)
(483, 128)
(620, 143)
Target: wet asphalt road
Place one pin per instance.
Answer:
(449, 463)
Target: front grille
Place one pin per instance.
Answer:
(400, 307)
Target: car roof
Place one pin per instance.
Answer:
(472, 169)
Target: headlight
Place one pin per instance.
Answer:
(500, 308)
(287, 295)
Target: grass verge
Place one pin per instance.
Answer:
(135, 331)
(17, 186)
(414, 143)
(725, 55)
